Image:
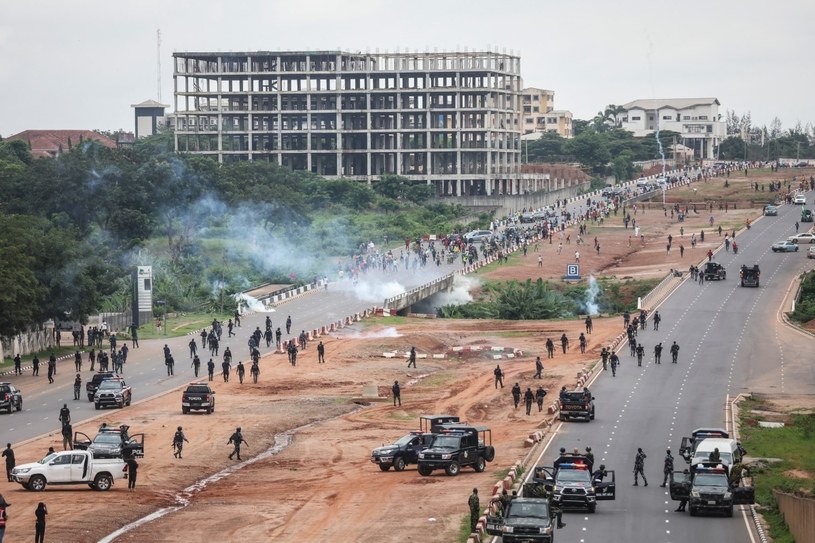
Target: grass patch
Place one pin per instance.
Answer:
(437, 379)
(64, 350)
(513, 333)
(179, 325)
(464, 528)
(384, 321)
(793, 444)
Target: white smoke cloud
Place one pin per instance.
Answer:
(375, 334)
(253, 303)
(370, 290)
(592, 308)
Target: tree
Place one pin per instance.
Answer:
(579, 126)
(548, 148)
(623, 167)
(590, 149)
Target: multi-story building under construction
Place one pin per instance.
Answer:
(451, 119)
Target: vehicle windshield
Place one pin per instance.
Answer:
(107, 439)
(726, 458)
(110, 384)
(536, 510)
(47, 458)
(446, 442)
(198, 390)
(573, 476)
(710, 479)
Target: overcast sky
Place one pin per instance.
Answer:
(81, 64)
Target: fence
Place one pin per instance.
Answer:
(799, 514)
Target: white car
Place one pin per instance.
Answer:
(811, 252)
(799, 199)
(477, 235)
(70, 468)
(805, 237)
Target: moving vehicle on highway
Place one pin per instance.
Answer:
(456, 446)
(770, 211)
(799, 199)
(93, 384)
(401, 452)
(70, 468)
(525, 520)
(784, 246)
(477, 235)
(576, 404)
(750, 275)
(714, 270)
(571, 484)
(806, 215)
(112, 393)
(803, 237)
(196, 397)
(10, 398)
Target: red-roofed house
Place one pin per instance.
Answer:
(49, 143)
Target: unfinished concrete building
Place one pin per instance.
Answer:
(451, 119)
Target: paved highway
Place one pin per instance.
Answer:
(731, 342)
(145, 370)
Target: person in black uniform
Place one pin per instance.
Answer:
(516, 395)
(528, 397)
(397, 393)
(39, 525)
(320, 353)
(132, 471)
(657, 320)
(211, 369)
(639, 467)
(17, 364)
(604, 354)
(564, 342)
(640, 353)
(8, 454)
(540, 394)
(615, 361)
(667, 468)
(178, 442)
(582, 343)
(499, 376)
(196, 364)
(77, 386)
(632, 345)
(241, 371)
(550, 348)
(683, 502)
(674, 352)
(236, 439)
(658, 353)
(288, 325)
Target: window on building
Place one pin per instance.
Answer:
(702, 117)
(552, 120)
(686, 118)
(536, 98)
(625, 119)
(536, 109)
(666, 117)
(650, 117)
(635, 118)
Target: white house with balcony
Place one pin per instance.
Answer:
(697, 120)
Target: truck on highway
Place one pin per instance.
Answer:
(714, 271)
(576, 404)
(70, 468)
(708, 487)
(749, 275)
(525, 520)
(571, 484)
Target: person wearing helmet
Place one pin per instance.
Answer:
(590, 456)
(599, 474)
(178, 442)
(667, 468)
(236, 439)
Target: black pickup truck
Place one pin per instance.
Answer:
(714, 271)
(576, 404)
(708, 487)
(93, 384)
(198, 397)
(571, 484)
(456, 446)
(526, 520)
(749, 275)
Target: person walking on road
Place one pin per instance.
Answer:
(236, 439)
(582, 343)
(412, 357)
(540, 394)
(64, 414)
(18, 370)
(564, 342)
(667, 468)
(226, 366)
(35, 366)
(615, 361)
(475, 507)
(397, 393)
(656, 320)
(211, 369)
(255, 371)
(196, 364)
(674, 352)
(77, 386)
(288, 325)
(499, 376)
(658, 353)
(8, 454)
(51, 368)
(178, 442)
(241, 371)
(640, 354)
(538, 368)
(639, 467)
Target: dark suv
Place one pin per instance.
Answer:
(111, 443)
(456, 446)
(198, 396)
(714, 270)
(10, 397)
(93, 384)
(112, 393)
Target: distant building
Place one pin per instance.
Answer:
(447, 119)
(149, 117)
(697, 120)
(50, 143)
(538, 114)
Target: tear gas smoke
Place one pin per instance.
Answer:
(593, 290)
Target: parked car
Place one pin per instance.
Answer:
(70, 468)
(803, 237)
(784, 246)
(10, 397)
(811, 252)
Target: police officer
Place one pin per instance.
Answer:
(538, 368)
(632, 345)
(656, 319)
(499, 376)
(236, 439)
(226, 366)
(683, 502)
(588, 324)
(640, 353)
(639, 466)
(604, 354)
(658, 353)
(564, 342)
(132, 470)
(516, 395)
(77, 386)
(288, 325)
(65, 414)
(320, 353)
(550, 348)
(667, 467)
(170, 364)
(528, 397)
(211, 369)
(674, 352)
(626, 319)
(615, 361)
(17, 365)
(196, 364)
(714, 456)
(193, 347)
(241, 371)
(582, 343)
(475, 506)
(397, 393)
(540, 394)
(590, 455)
(255, 371)
(8, 454)
(178, 442)
(599, 474)
(412, 357)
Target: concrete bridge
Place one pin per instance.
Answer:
(406, 299)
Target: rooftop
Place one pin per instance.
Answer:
(675, 103)
(47, 143)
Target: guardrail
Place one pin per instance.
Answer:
(393, 299)
(799, 514)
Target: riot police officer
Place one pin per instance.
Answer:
(516, 395)
(640, 353)
(667, 467)
(528, 397)
(674, 352)
(178, 442)
(658, 353)
(236, 439)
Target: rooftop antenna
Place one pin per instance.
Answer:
(158, 63)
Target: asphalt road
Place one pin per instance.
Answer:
(145, 370)
(731, 341)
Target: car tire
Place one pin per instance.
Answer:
(489, 453)
(399, 464)
(37, 483)
(692, 511)
(592, 508)
(729, 512)
(25, 486)
(129, 401)
(424, 470)
(384, 467)
(97, 406)
(480, 464)
(185, 410)
(209, 410)
(102, 482)
(452, 469)
(20, 406)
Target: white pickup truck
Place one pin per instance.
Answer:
(70, 468)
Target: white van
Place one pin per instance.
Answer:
(729, 451)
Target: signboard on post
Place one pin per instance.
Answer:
(572, 272)
(142, 294)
